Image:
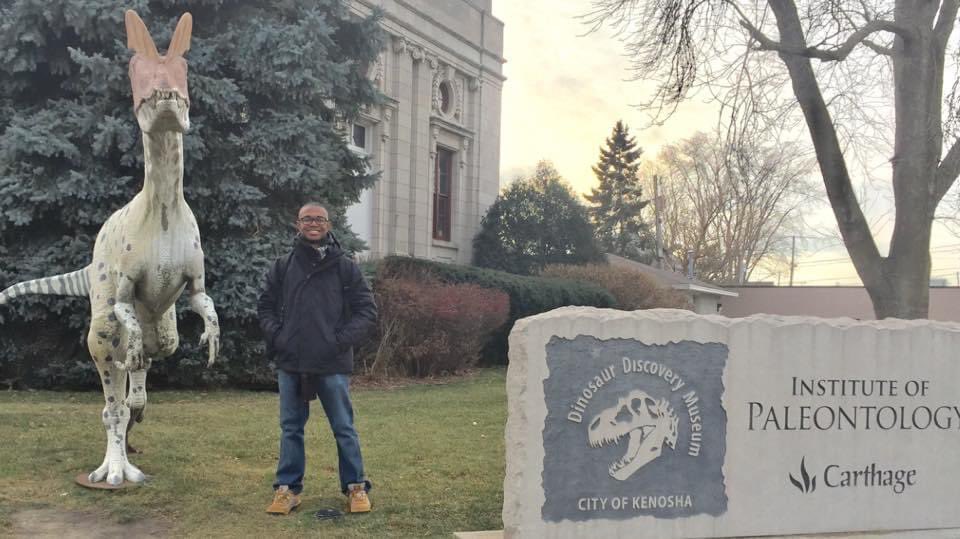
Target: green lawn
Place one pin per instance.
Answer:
(434, 453)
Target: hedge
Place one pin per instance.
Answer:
(528, 295)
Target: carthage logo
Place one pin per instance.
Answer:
(808, 484)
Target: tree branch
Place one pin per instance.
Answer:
(827, 55)
(945, 20)
(877, 48)
(948, 171)
(836, 178)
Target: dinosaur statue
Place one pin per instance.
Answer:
(145, 255)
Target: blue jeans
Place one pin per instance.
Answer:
(334, 394)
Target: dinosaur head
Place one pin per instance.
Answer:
(159, 83)
(646, 422)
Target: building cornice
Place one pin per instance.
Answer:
(408, 30)
(436, 121)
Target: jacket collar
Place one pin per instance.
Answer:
(327, 248)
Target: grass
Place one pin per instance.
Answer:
(434, 453)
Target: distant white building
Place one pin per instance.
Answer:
(705, 298)
(436, 141)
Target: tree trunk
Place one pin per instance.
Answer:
(898, 284)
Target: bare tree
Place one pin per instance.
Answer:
(731, 204)
(841, 58)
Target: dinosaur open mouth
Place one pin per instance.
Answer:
(637, 436)
(165, 99)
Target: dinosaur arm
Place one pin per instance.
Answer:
(124, 310)
(202, 304)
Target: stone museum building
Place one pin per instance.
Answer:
(436, 139)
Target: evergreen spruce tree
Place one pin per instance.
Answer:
(268, 81)
(536, 221)
(616, 204)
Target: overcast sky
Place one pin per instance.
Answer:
(565, 91)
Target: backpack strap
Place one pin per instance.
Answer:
(283, 276)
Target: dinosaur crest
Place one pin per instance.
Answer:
(646, 422)
(159, 83)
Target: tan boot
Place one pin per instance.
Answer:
(359, 501)
(284, 501)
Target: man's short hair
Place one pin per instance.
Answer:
(315, 204)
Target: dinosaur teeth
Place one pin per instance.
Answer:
(618, 465)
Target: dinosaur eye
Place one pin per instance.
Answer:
(624, 415)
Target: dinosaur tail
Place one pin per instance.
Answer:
(75, 283)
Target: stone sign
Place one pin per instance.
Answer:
(667, 424)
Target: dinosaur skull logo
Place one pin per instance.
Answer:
(647, 422)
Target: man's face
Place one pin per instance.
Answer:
(313, 223)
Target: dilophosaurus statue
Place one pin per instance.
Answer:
(145, 255)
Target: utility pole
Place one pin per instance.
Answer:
(793, 256)
(658, 222)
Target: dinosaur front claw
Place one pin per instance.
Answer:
(212, 339)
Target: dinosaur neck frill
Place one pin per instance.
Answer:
(163, 169)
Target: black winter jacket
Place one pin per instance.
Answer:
(313, 311)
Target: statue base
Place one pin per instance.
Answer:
(84, 481)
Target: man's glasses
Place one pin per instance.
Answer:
(310, 220)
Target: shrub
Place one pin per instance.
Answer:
(427, 327)
(631, 289)
(528, 295)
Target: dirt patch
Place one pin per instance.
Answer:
(55, 524)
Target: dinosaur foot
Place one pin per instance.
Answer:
(116, 471)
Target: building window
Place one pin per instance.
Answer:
(445, 97)
(442, 190)
(359, 138)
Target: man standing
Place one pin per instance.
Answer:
(315, 307)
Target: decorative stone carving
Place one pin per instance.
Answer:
(434, 136)
(445, 75)
(377, 70)
(464, 151)
(386, 115)
(436, 97)
(416, 52)
(399, 44)
(458, 99)
(474, 84)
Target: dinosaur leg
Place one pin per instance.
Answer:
(160, 340)
(115, 416)
(123, 310)
(137, 402)
(107, 350)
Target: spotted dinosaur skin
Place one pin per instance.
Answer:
(146, 254)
